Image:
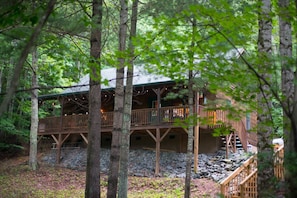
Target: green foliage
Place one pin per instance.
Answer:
(11, 138)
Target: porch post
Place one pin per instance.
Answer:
(58, 156)
(234, 142)
(158, 92)
(227, 146)
(59, 144)
(158, 145)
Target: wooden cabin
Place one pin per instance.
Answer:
(153, 119)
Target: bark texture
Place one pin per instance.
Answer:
(92, 188)
(125, 140)
(289, 91)
(34, 112)
(190, 137)
(113, 174)
(266, 182)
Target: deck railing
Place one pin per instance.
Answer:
(139, 117)
(144, 117)
(243, 181)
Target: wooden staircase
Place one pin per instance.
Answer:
(231, 141)
(243, 181)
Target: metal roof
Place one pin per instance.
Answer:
(140, 77)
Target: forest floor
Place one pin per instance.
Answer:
(17, 180)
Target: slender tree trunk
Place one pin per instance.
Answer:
(34, 112)
(289, 92)
(118, 107)
(190, 138)
(191, 115)
(94, 136)
(266, 182)
(24, 54)
(125, 140)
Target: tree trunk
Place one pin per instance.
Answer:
(34, 112)
(23, 56)
(118, 107)
(266, 182)
(125, 140)
(92, 188)
(190, 138)
(290, 95)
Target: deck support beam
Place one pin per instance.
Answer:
(196, 133)
(84, 137)
(196, 147)
(59, 141)
(158, 148)
(158, 139)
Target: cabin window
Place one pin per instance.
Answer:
(228, 103)
(154, 104)
(204, 100)
(248, 121)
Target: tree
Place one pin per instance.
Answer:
(34, 112)
(289, 92)
(118, 105)
(92, 188)
(266, 187)
(125, 139)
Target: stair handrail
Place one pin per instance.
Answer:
(230, 185)
(248, 186)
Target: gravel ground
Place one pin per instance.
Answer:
(142, 163)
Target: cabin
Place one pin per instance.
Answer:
(156, 120)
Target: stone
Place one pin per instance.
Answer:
(142, 163)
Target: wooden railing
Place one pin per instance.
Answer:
(139, 117)
(220, 117)
(230, 186)
(144, 117)
(279, 163)
(243, 181)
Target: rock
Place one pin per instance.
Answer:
(142, 163)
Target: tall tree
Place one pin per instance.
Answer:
(92, 188)
(34, 112)
(118, 105)
(191, 110)
(289, 92)
(265, 186)
(125, 139)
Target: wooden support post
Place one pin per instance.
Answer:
(196, 148)
(159, 92)
(227, 146)
(158, 139)
(196, 134)
(39, 138)
(158, 145)
(59, 145)
(234, 142)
